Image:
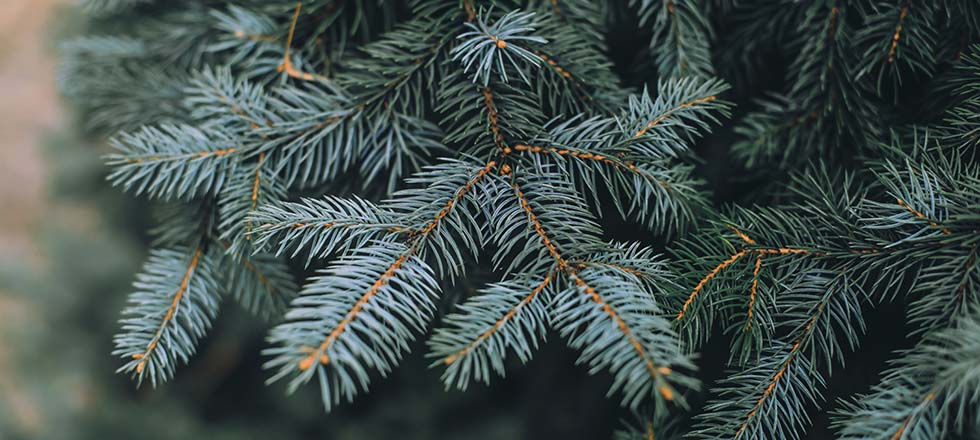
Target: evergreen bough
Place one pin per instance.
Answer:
(503, 130)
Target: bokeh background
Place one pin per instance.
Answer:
(29, 111)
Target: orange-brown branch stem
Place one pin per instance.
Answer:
(760, 252)
(908, 420)
(198, 155)
(832, 27)
(563, 265)
(627, 165)
(251, 267)
(704, 281)
(320, 353)
(287, 63)
(967, 267)
(470, 10)
(753, 291)
(742, 235)
(171, 311)
(256, 182)
(498, 137)
(261, 276)
(654, 371)
(898, 31)
(922, 216)
(457, 197)
(563, 72)
(781, 373)
(670, 112)
(539, 229)
(500, 322)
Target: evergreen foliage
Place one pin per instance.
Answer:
(401, 149)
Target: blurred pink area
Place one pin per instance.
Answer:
(28, 110)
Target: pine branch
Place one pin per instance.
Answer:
(175, 302)
(617, 328)
(321, 227)
(681, 36)
(446, 207)
(583, 315)
(287, 66)
(247, 37)
(930, 391)
(897, 35)
(357, 315)
(261, 283)
(171, 161)
(399, 289)
(543, 209)
(490, 47)
(251, 186)
(503, 317)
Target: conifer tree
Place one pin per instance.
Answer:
(341, 168)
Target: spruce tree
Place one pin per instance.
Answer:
(362, 174)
